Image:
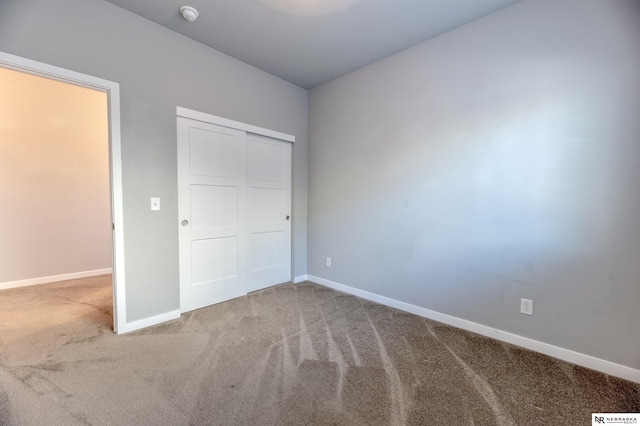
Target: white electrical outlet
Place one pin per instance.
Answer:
(328, 262)
(526, 306)
(155, 203)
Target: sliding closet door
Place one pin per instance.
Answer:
(269, 180)
(212, 208)
(234, 207)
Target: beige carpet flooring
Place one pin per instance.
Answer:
(289, 355)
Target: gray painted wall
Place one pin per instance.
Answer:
(496, 162)
(157, 70)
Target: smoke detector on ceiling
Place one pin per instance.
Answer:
(189, 13)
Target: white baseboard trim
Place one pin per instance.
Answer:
(54, 278)
(148, 322)
(300, 278)
(573, 357)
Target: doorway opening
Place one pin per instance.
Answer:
(61, 178)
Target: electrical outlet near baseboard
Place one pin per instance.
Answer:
(526, 306)
(328, 262)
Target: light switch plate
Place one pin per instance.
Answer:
(155, 203)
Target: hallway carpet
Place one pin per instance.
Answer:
(288, 355)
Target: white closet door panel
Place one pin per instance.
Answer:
(213, 152)
(206, 272)
(212, 207)
(269, 182)
(268, 159)
(267, 205)
(266, 249)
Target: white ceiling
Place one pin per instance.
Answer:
(309, 42)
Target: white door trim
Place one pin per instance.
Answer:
(213, 119)
(117, 212)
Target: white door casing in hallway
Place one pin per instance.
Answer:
(234, 205)
(112, 89)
